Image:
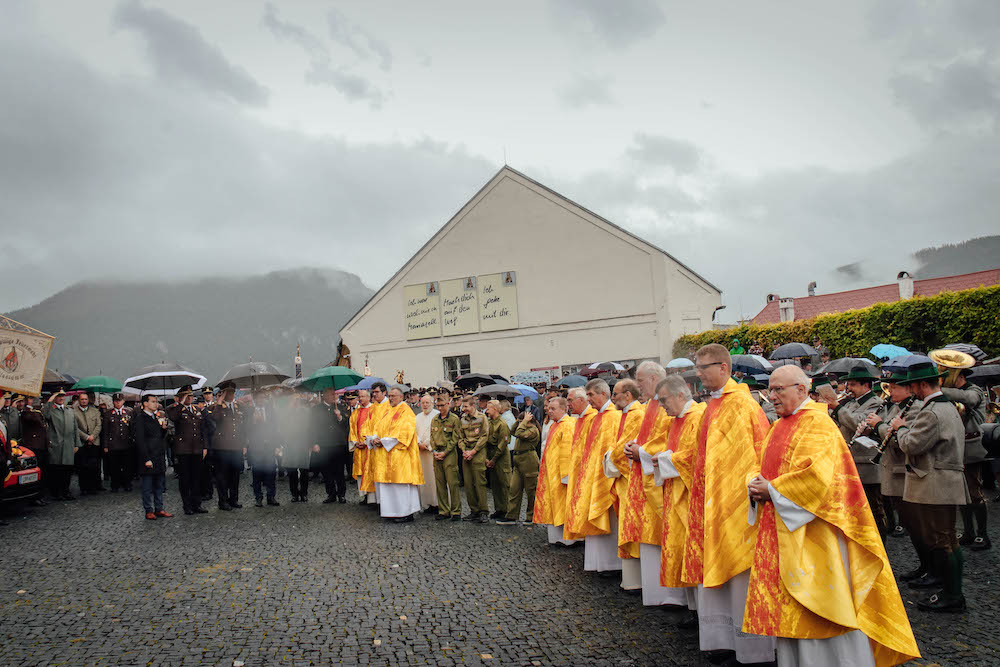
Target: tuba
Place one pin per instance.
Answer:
(951, 363)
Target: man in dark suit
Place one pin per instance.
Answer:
(151, 454)
(116, 436)
(329, 430)
(190, 448)
(228, 446)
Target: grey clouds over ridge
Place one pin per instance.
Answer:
(201, 157)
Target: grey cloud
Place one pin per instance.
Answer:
(619, 24)
(132, 180)
(351, 86)
(682, 156)
(360, 41)
(964, 92)
(586, 90)
(179, 53)
(321, 71)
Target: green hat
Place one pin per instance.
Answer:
(752, 382)
(922, 371)
(862, 373)
(819, 381)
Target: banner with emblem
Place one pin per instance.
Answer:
(24, 354)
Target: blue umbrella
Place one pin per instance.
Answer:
(887, 351)
(680, 362)
(572, 381)
(366, 383)
(526, 391)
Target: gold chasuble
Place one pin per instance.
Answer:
(720, 543)
(401, 465)
(370, 428)
(550, 496)
(581, 428)
(587, 478)
(639, 502)
(798, 585)
(359, 419)
(683, 437)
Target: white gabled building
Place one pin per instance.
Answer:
(522, 278)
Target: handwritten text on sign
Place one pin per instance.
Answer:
(459, 306)
(422, 310)
(498, 301)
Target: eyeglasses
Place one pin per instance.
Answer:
(777, 390)
(702, 367)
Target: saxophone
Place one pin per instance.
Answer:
(904, 405)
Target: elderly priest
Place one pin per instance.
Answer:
(396, 467)
(820, 580)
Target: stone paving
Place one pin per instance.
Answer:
(93, 583)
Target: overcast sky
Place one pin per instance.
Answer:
(762, 143)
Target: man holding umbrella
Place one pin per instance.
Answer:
(190, 448)
(228, 446)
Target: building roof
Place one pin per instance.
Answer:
(838, 302)
(503, 172)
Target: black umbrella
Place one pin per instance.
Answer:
(254, 375)
(497, 390)
(793, 351)
(572, 381)
(785, 362)
(968, 348)
(844, 365)
(470, 380)
(985, 376)
(750, 363)
(499, 379)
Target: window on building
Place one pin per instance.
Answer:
(455, 366)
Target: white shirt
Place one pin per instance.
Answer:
(687, 406)
(424, 426)
(605, 406)
(629, 406)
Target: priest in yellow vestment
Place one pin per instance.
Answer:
(625, 396)
(582, 413)
(550, 495)
(589, 490)
(380, 403)
(821, 581)
(360, 426)
(719, 548)
(396, 470)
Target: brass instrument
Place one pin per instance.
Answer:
(952, 363)
(904, 405)
(884, 387)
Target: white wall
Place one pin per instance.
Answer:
(586, 291)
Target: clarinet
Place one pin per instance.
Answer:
(903, 407)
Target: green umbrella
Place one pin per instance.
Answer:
(100, 384)
(335, 377)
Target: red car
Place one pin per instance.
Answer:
(25, 479)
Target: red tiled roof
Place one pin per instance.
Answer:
(838, 302)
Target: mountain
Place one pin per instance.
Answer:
(207, 324)
(979, 254)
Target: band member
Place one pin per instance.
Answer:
(118, 445)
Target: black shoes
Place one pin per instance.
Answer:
(188, 512)
(328, 500)
(441, 517)
(403, 519)
(199, 510)
(342, 500)
(236, 506)
(981, 544)
(484, 518)
(225, 507)
(470, 517)
(258, 503)
(272, 502)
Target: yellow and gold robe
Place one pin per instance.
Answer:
(580, 431)
(550, 495)
(720, 542)
(359, 420)
(371, 428)
(683, 436)
(798, 585)
(590, 488)
(402, 464)
(639, 502)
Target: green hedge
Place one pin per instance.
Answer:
(920, 323)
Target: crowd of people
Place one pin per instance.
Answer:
(762, 511)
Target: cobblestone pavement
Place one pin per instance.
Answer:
(93, 583)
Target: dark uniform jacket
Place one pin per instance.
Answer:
(934, 445)
(848, 415)
(34, 432)
(190, 429)
(117, 430)
(228, 428)
(973, 399)
(150, 444)
(328, 432)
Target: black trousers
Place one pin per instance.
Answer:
(59, 479)
(88, 468)
(264, 476)
(120, 464)
(228, 465)
(333, 473)
(189, 479)
(298, 481)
